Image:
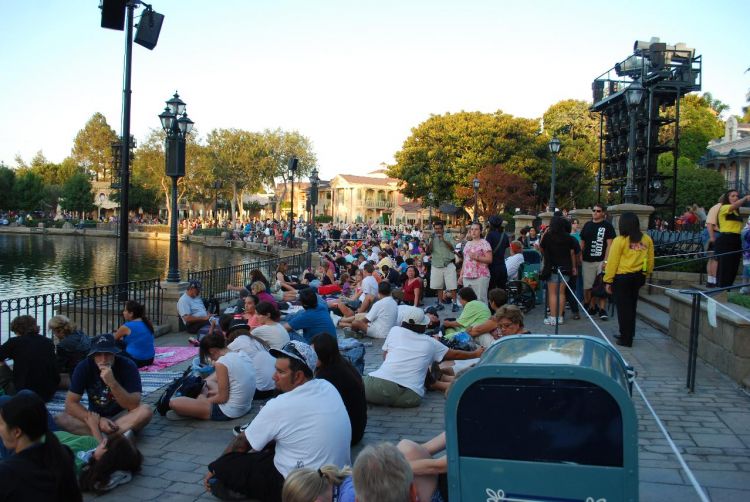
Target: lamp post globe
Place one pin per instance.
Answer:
(177, 126)
(554, 146)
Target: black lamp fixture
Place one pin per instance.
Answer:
(293, 162)
(554, 146)
(430, 199)
(314, 182)
(476, 199)
(177, 125)
(633, 97)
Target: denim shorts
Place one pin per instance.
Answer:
(217, 415)
(555, 278)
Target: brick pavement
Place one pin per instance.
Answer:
(711, 427)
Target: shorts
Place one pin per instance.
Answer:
(444, 278)
(590, 270)
(217, 415)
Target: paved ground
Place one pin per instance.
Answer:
(711, 427)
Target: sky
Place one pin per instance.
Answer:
(353, 76)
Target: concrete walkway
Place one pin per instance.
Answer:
(711, 427)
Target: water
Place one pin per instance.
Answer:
(35, 264)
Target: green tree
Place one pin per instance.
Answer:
(28, 191)
(77, 195)
(699, 124)
(714, 104)
(281, 146)
(7, 182)
(92, 147)
(695, 184)
(445, 152)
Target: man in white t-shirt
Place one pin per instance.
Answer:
(408, 355)
(307, 424)
(381, 317)
(514, 261)
(364, 302)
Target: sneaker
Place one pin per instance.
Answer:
(194, 341)
(238, 430)
(560, 320)
(447, 301)
(576, 316)
(603, 315)
(549, 320)
(455, 307)
(440, 306)
(174, 416)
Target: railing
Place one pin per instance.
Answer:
(668, 243)
(214, 282)
(96, 309)
(378, 203)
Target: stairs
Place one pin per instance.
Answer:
(654, 308)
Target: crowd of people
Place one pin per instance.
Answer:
(279, 343)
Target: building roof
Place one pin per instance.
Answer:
(410, 207)
(368, 180)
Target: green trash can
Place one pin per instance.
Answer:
(543, 417)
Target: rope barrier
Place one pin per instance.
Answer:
(696, 486)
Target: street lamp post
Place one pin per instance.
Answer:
(554, 148)
(314, 181)
(429, 202)
(177, 125)
(476, 200)
(217, 187)
(633, 96)
(292, 169)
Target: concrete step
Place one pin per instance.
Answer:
(656, 298)
(653, 315)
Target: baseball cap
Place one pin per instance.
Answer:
(299, 351)
(103, 343)
(194, 284)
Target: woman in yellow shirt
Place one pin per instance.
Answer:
(728, 241)
(630, 260)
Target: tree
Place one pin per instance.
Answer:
(28, 191)
(77, 195)
(699, 124)
(282, 146)
(92, 147)
(7, 182)
(714, 104)
(499, 191)
(444, 152)
(695, 184)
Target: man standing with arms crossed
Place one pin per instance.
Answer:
(596, 240)
(443, 277)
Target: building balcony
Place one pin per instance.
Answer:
(378, 204)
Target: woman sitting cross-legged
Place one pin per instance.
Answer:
(228, 392)
(136, 336)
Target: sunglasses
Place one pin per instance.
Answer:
(598, 210)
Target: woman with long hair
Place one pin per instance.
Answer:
(630, 260)
(41, 468)
(136, 336)
(339, 371)
(228, 393)
(728, 241)
(559, 250)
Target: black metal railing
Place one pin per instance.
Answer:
(670, 242)
(96, 309)
(214, 282)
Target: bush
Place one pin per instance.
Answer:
(210, 232)
(679, 265)
(323, 218)
(739, 299)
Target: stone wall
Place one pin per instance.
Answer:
(725, 347)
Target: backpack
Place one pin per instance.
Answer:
(186, 385)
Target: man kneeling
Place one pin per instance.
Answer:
(113, 386)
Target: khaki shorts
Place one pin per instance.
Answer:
(444, 278)
(590, 270)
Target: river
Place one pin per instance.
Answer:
(34, 264)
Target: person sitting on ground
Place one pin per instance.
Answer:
(367, 297)
(228, 392)
(136, 336)
(408, 354)
(34, 361)
(474, 312)
(113, 386)
(306, 426)
(391, 275)
(72, 347)
(41, 468)
(327, 484)
(429, 473)
(515, 260)
(382, 473)
(285, 281)
(378, 321)
(241, 340)
(412, 286)
(259, 289)
(97, 457)
(347, 380)
(191, 308)
(269, 329)
(313, 320)
(486, 332)
(250, 314)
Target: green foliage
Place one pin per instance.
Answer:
(698, 125)
(445, 152)
(28, 191)
(253, 207)
(7, 182)
(139, 197)
(92, 147)
(739, 299)
(679, 265)
(323, 218)
(76, 194)
(694, 183)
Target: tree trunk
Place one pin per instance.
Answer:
(234, 201)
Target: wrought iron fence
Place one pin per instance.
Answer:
(96, 309)
(214, 282)
(669, 242)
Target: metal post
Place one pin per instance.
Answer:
(476, 205)
(693, 341)
(552, 184)
(122, 269)
(601, 160)
(630, 190)
(174, 272)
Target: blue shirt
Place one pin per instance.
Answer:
(313, 321)
(140, 342)
(101, 400)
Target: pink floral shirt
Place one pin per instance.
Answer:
(473, 269)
